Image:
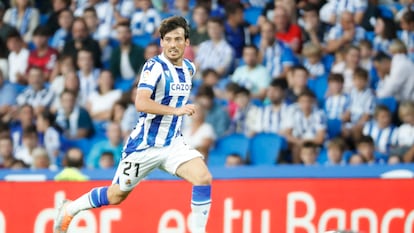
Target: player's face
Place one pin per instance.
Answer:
(173, 45)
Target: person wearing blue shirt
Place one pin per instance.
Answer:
(112, 144)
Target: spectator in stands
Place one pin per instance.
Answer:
(253, 75)
(336, 102)
(29, 143)
(82, 41)
(71, 83)
(334, 9)
(6, 152)
(118, 112)
(348, 66)
(308, 153)
(106, 160)
(245, 119)
(273, 118)
(4, 53)
(5, 129)
(381, 129)
(198, 33)
(269, 10)
(49, 135)
(313, 31)
(24, 17)
(181, 8)
(335, 152)
(306, 123)
(366, 54)
(150, 51)
(63, 67)
(41, 159)
(72, 163)
(112, 144)
(7, 99)
(37, 94)
(100, 102)
(276, 56)
(343, 33)
(237, 32)
(43, 56)
(88, 74)
(286, 31)
(19, 164)
(400, 70)
(229, 96)
(72, 118)
(216, 114)
(18, 58)
(361, 106)
(407, 34)
(209, 77)
(312, 61)
(112, 13)
(131, 115)
(5, 28)
(407, 5)
(80, 7)
(100, 34)
(126, 59)
(297, 83)
(233, 160)
(25, 119)
(63, 33)
(53, 19)
(145, 20)
(405, 132)
(365, 152)
(385, 31)
(215, 53)
(198, 133)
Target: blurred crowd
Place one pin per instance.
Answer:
(334, 79)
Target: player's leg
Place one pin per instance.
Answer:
(188, 164)
(195, 171)
(130, 172)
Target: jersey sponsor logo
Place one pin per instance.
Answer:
(179, 89)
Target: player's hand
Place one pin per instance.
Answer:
(188, 109)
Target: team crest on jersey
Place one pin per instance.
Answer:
(146, 76)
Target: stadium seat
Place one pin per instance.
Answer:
(265, 149)
(234, 143)
(251, 14)
(216, 158)
(385, 11)
(142, 41)
(83, 144)
(334, 128)
(319, 86)
(390, 102)
(124, 84)
(322, 156)
(370, 36)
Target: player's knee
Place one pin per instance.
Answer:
(204, 178)
(116, 196)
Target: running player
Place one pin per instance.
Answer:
(156, 141)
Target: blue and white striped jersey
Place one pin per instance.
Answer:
(383, 138)
(306, 127)
(171, 86)
(337, 32)
(408, 38)
(271, 121)
(277, 57)
(361, 102)
(336, 106)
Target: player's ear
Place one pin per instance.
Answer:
(187, 42)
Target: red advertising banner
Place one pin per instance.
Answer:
(239, 206)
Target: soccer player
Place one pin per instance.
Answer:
(156, 142)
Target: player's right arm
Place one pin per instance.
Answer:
(144, 103)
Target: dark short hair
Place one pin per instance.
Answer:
(361, 73)
(381, 108)
(335, 77)
(232, 7)
(208, 71)
(216, 20)
(381, 56)
(90, 9)
(13, 34)
(366, 139)
(309, 145)
(243, 90)
(299, 67)
(232, 87)
(279, 83)
(307, 93)
(311, 7)
(172, 23)
(251, 46)
(29, 131)
(408, 16)
(205, 91)
(125, 25)
(41, 31)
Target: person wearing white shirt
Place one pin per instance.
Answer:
(347, 67)
(18, 58)
(88, 74)
(399, 82)
(253, 75)
(100, 102)
(198, 133)
(215, 53)
(405, 134)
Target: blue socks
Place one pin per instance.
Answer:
(98, 197)
(200, 206)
